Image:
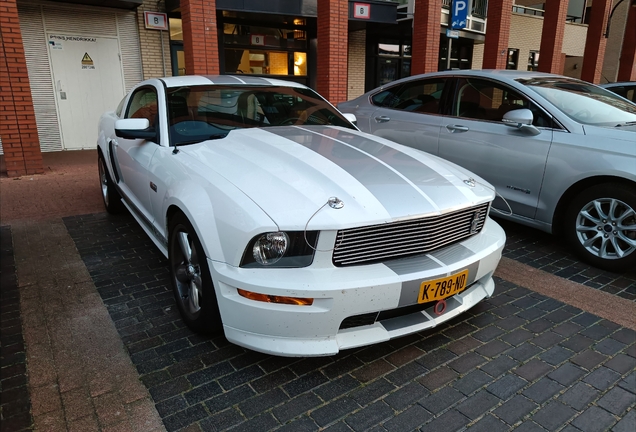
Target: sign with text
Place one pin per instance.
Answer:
(459, 13)
(362, 10)
(257, 39)
(453, 34)
(156, 20)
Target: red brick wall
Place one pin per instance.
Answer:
(426, 34)
(18, 129)
(333, 21)
(200, 39)
(497, 34)
(595, 42)
(627, 66)
(550, 58)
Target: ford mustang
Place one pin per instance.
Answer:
(287, 228)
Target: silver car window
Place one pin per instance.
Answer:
(422, 96)
(488, 100)
(583, 102)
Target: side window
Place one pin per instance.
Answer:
(386, 98)
(487, 100)
(143, 104)
(630, 93)
(421, 96)
(120, 107)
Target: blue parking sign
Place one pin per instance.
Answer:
(459, 12)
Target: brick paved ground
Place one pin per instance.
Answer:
(550, 254)
(15, 405)
(518, 360)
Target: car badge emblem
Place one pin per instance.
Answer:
(474, 224)
(470, 182)
(335, 203)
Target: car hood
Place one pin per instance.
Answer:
(291, 172)
(619, 132)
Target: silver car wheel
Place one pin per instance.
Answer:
(606, 227)
(187, 274)
(103, 181)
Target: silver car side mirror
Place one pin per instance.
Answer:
(351, 117)
(521, 119)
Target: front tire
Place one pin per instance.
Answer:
(191, 280)
(600, 225)
(110, 195)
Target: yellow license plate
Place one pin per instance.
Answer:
(438, 289)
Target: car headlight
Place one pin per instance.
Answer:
(280, 249)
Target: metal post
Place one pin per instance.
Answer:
(448, 53)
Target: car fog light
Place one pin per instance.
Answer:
(299, 301)
(270, 248)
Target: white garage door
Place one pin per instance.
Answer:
(88, 81)
(117, 44)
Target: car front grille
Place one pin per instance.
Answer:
(366, 245)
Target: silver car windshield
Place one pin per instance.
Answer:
(584, 103)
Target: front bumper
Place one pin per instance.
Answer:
(342, 292)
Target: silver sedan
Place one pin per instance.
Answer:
(561, 152)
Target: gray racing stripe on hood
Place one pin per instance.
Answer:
(421, 175)
(371, 172)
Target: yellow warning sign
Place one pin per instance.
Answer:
(87, 62)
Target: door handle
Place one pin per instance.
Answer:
(382, 119)
(457, 128)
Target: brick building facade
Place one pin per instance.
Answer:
(327, 45)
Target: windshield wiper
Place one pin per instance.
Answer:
(629, 123)
(198, 140)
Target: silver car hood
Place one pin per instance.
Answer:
(625, 133)
(291, 172)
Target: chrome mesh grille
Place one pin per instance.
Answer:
(375, 243)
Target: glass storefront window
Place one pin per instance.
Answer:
(261, 62)
(389, 49)
(277, 47)
(300, 63)
(176, 29)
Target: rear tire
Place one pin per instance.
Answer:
(600, 224)
(191, 279)
(110, 195)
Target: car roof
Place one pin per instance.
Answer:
(499, 74)
(618, 84)
(231, 80)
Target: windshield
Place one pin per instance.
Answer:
(199, 113)
(583, 102)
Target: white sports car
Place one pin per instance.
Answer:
(285, 226)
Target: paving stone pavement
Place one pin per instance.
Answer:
(550, 254)
(80, 377)
(15, 405)
(519, 360)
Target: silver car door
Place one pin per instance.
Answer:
(511, 159)
(133, 156)
(409, 113)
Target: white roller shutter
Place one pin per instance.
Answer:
(39, 18)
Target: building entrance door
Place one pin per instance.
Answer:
(88, 81)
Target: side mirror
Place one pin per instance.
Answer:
(351, 117)
(135, 129)
(521, 119)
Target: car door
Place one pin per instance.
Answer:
(133, 155)
(511, 159)
(409, 113)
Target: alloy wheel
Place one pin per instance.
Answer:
(606, 227)
(187, 273)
